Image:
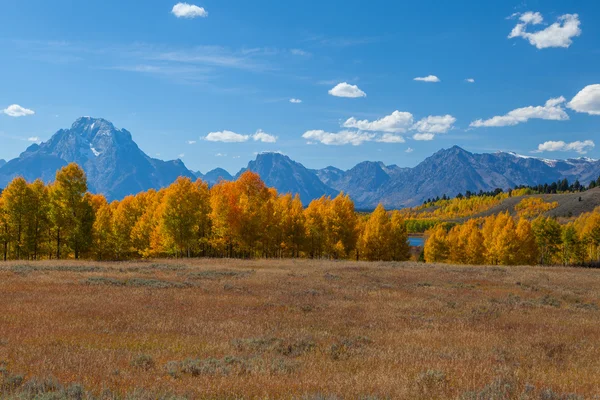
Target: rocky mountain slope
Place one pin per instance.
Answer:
(114, 164)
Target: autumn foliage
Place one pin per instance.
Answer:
(503, 240)
(241, 219)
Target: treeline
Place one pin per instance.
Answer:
(501, 240)
(561, 186)
(240, 219)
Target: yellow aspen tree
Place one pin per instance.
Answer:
(527, 251)
(436, 246)
(183, 208)
(202, 223)
(400, 247)
(252, 194)
(457, 245)
(475, 252)
(225, 217)
(146, 223)
(4, 229)
(590, 232)
(293, 224)
(507, 243)
(316, 226)
(38, 218)
(341, 227)
(17, 206)
(104, 241)
(376, 236)
(488, 231)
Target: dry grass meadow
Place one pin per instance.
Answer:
(297, 330)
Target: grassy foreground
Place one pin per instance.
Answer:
(298, 329)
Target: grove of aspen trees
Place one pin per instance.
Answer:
(246, 219)
(241, 219)
(502, 240)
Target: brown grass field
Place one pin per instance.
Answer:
(297, 330)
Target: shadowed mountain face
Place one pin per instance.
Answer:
(288, 176)
(114, 164)
(2, 162)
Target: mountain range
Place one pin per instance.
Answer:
(116, 167)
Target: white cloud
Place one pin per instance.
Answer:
(338, 139)
(396, 122)
(181, 155)
(191, 142)
(295, 101)
(429, 78)
(587, 100)
(300, 52)
(344, 89)
(435, 124)
(16, 110)
(559, 34)
(390, 138)
(34, 139)
(400, 122)
(185, 10)
(470, 80)
(227, 137)
(423, 136)
(220, 155)
(552, 110)
(579, 147)
(261, 136)
(409, 150)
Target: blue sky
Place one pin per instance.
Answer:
(211, 81)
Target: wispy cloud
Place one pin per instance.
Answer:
(340, 41)
(226, 136)
(198, 64)
(300, 52)
(428, 78)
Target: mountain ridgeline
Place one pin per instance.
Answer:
(116, 167)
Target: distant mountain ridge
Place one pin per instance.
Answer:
(116, 167)
(288, 176)
(453, 171)
(213, 177)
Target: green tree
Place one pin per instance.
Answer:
(548, 237)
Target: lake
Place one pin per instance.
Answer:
(417, 241)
